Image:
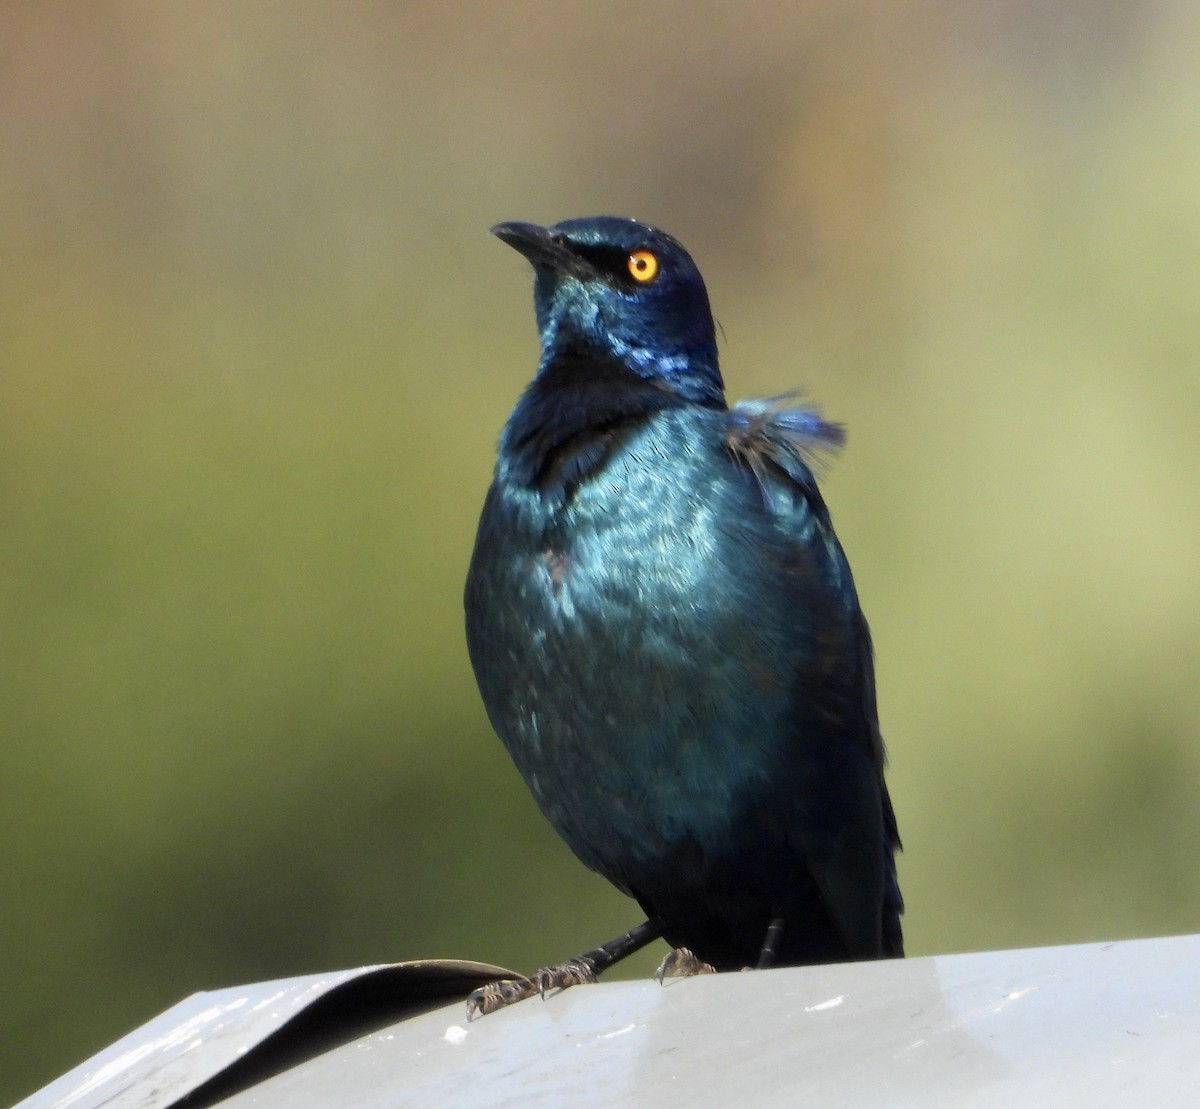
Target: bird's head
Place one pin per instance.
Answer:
(625, 290)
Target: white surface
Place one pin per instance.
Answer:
(1095, 1025)
(161, 1061)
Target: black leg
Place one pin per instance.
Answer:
(582, 968)
(770, 947)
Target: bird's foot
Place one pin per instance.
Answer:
(496, 995)
(682, 963)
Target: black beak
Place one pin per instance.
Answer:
(544, 248)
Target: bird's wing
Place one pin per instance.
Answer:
(848, 833)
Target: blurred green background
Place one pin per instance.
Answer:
(255, 350)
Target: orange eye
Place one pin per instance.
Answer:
(643, 265)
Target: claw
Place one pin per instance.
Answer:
(574, 972)
(496, 995)
(682, 963)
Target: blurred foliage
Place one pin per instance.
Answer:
(255, 348)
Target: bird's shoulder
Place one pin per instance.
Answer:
(783, 444)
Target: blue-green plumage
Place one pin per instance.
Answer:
(664, 627)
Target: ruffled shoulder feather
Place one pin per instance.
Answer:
(777, 437)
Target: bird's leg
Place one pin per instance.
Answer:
(770, 947)
(583, 968)
(682, 962)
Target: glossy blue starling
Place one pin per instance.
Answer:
(666, 633)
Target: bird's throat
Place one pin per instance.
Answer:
(577, 410)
